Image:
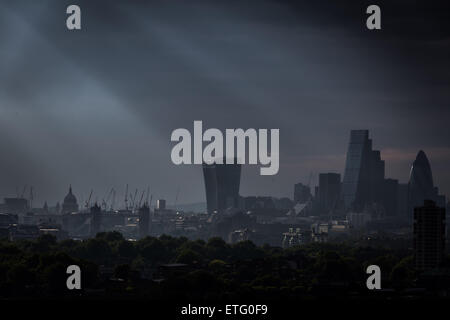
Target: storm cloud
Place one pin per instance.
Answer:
(95, 108)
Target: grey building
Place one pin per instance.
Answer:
(222, 183)
(302, 193)
(95, 219)
(161, 204)
(421, 186)
(144, 221)
(364, 173)
(429, 235)
(329, 191)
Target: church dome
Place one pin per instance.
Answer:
(70, 198)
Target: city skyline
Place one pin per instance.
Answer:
(119, 194)
(87, 110)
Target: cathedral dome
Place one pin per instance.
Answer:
(70, 202)
(70, 198)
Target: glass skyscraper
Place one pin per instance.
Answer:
(421, 186)
(364, 173)
(429, 235)
(222, 183)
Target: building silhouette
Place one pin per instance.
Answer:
(70, 203)
(161, 204)
(364, 173)
(302, 193)
(95, 219)
(144, 221)
(329, 191)
(429, 235)
(222, 183)
(16, 205)
(421, 186)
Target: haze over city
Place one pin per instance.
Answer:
(95, 108)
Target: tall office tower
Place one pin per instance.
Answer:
(429, 235)
(70, 203)
(421, 185)
(376, 176)
(144, 221)
(222, 185)
(364, 172)
(95, 219)
(302, 193)
(329, 191)
(161, 204)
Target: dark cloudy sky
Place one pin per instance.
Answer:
(95, 108)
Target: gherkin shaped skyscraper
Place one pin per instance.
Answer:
(421, 185)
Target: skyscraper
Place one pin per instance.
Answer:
(144, 221)
(429, 235)
(161, 204)
(222, 185)
(364, 172)
(329, 191)
(95, 219)
(421, 185)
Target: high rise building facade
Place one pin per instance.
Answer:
(329, 191)
(364, 172)
(222, 183)
(161, 204)
(95, 219)
(421, 186)
(144, 221)
(429, 235)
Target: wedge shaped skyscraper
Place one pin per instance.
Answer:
(222, 183)
(364, 172)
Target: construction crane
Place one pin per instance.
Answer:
(113, 200)
(103, 206)
(150, 203)
(31, 198)
(105, 202)
(146, 199)
(134, 199)
(176, 198)
(126, 197)
(142, 197)
(23, 191)
(88, 201)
